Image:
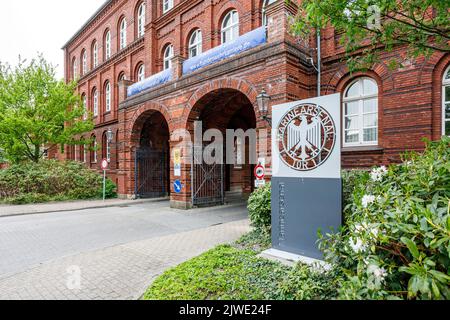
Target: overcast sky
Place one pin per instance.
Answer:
(31, 26)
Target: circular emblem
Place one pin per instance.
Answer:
(306, 137)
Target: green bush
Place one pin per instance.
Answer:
(396, 239)
(51, 180)
(259, 208)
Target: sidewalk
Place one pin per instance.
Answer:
(16, 210)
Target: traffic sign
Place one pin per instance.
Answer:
(177, 186)
(260, 172)
(105, 164)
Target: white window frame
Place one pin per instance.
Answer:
(84, 62)
(264, 14)
(167, 5)
(95, 102)
(233, 26)
(141, 73)
(95, 55)
(360, 115)
(75, 69)
(141, 20)
(84, 101)
(108, 97)
(445, 84)
(108, 45)
(195, 43)
(123, 33)
(168, 55)
(108, 150)
(84, 153)
(95, 151)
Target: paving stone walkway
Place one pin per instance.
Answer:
(118, 272)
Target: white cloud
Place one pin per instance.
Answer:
(29, 26)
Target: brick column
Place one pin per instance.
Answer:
(177, 67)
(279, 15)
(123, 87)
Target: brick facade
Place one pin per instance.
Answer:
(409, 99)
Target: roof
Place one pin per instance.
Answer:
(88, 22)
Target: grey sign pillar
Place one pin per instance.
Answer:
(306, 170)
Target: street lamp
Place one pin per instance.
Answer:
(263, 100)
(109, 135)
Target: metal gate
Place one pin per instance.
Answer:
(151, 172)
(207, 180)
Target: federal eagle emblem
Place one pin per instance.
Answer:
(306, 137)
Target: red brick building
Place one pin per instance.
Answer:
(151, 43)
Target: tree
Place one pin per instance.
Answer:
(367, 26)
(36, 110)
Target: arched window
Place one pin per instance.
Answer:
(168, 55)
(141, 20)
(446, 103)
(107, 45)
(107, 96)
(74, 69)
(361, 113)
(195, 44)
(167, 5)
(94, 150)
(95, 102)
(106, 148)
(94, 55)
(140, 73)
(84, 101)
(230, 26)
(84, 68)
(123, 33)
(264, 8)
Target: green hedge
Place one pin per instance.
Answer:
(51, 180)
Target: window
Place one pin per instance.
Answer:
(94, 55)
(230, 26)
(84, 150)
(141, 20)
(361, 113)
(106, 148)
(94, 150)
(84, 101)
(141, 73)
(108, 45)
(167, 5)
(264, 8)
(95, 101)
(74, 69)
(195, 44)
(123, 34)
(84, 68)
(108, 96)
(168, 55)
(446, 104)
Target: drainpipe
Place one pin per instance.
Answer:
(319, 63)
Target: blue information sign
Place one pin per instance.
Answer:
(177, 186)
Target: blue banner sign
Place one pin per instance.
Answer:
(243, 43)
(153, 81)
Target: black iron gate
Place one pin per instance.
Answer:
(151, 171)
(207, 180)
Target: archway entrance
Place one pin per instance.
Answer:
(152, 159)
(229, 180)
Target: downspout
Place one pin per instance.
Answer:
(319, 63)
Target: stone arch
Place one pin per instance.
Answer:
(243, 86)
(141, 114)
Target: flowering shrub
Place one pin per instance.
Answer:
(396, 238)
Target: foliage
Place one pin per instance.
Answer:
(368, 26)
(36, 110)
(256, 240)
(259, 207)
(224, 273)
(50, 180)
(396, 240)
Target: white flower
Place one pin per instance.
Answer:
(379, 273)
(367, 200)
(358, 245)
(377, 174)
